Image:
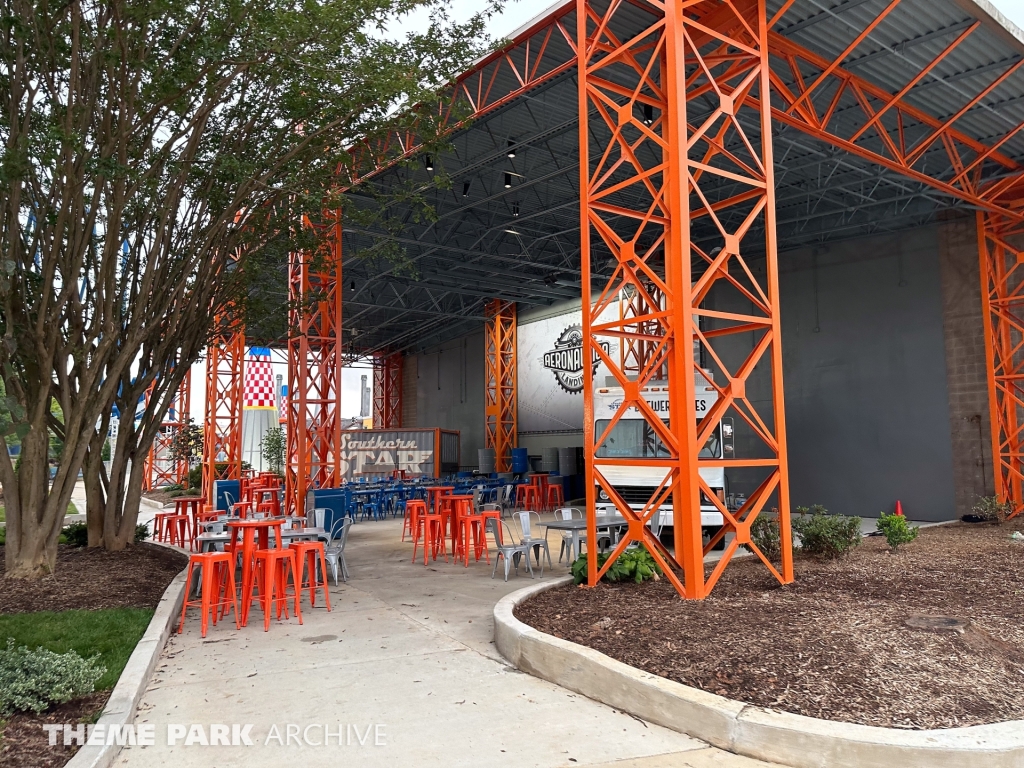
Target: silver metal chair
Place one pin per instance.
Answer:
(569, 513)
(334, 552)
(507, 548)
(526, 520)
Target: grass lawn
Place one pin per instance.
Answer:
(72, 510)
(111, 633)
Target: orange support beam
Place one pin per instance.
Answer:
(314, 366)
(1002, 283)
(161, 469)
(641, 172)
(387, 391)
(222, 427)
(500, 410)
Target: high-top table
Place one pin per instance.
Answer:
(184, 505)
(578, 524)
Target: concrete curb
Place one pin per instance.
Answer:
(136, 674)
(779, 737)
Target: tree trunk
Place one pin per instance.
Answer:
(35, 508)
(94, 475)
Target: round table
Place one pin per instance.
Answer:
(182, 505)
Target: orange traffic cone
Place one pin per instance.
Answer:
(899, 508)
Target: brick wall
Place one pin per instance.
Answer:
(965, 361)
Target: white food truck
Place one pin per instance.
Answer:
(633, 437)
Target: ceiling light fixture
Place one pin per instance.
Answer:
(511, 148)
(508, 180)
(515, 208)
(429, 162)
(465, 189)
(353, 285)
(648, 114)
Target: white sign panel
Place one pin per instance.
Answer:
(550, 372)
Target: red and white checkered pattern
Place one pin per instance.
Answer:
(259, 379)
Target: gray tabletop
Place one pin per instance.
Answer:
(577, 524)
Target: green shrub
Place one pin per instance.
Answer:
(896, 529)
(636, 564)
(992, 509)
(825, 535)
(32, 680)
(195, 476)
(765, 535)
(76, 534)
(141, 532)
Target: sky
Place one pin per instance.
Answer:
(513, 15)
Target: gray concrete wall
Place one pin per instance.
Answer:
(864, 361)
(449, 391)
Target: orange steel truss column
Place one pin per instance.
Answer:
(1001, 251)
(500, 410)
(314, 366)
(647, 176)
(222, 427)
(387, 390)
(161, 469)
(637, 348)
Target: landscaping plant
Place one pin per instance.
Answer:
(273, 447)
(141, 532)
(187, 447)
(824, 535)
(896, 529)
(76, 534)
(765, 534)
(992, 509)
(636, 564)
(33, 680)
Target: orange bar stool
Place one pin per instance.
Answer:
(430, 528)
(413, 509)
(469, 524)
(216, 590)
(555, 497)
(273, 567)
(179, 529)
(526, 496)
(540, 483)
(307, 553)
(161, 531)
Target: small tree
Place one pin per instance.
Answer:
(187, 446)
(273, 447)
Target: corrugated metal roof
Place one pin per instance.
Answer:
(521, 242)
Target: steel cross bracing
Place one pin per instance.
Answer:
(500, 384)
(161, 468)
(222, 425)
(315, 358)
(645, 169)
(1001, 247)
(387, 390)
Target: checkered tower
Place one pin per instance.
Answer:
(259, 409)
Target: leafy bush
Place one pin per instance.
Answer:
(105, 451)
(76, 534)
(896, 529)
(825, 535)
(141, 531)
(32, 680)
(273, 448)
(636, 564)
(992, 509)
(195, 476)
(765, 534)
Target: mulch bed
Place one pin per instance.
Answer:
(834, 644)
(90, 579)
(25, 744)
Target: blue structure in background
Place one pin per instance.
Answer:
(221, 487)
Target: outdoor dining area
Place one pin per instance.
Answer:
(248, 551)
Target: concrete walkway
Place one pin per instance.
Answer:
(408, 652)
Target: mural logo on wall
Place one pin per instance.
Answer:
(565, 361)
